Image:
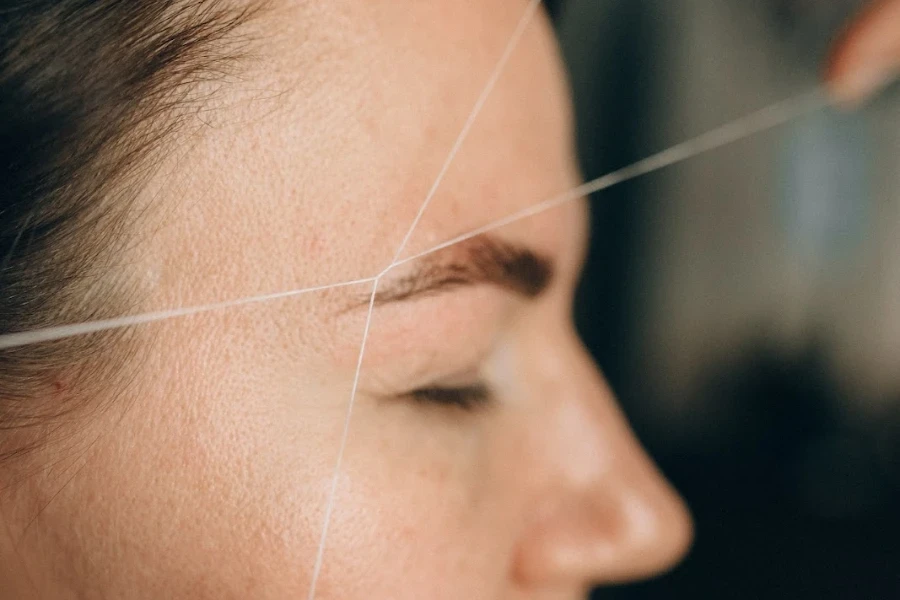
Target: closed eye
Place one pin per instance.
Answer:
(469, 398)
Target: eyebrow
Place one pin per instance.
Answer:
(483, 260)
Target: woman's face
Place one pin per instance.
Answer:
(485, 457)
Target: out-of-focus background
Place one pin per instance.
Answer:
(745, 304)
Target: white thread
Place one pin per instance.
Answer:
(329, 506)
(736, 130)
(492, 80)
(746, 126)
(756, 122)
(49, 334)
(464, 133)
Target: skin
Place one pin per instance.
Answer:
(867, 56)
(208, 472)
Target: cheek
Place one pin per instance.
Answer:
(209, 475)
(210, 498)
(424, 498)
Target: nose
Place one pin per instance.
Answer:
(602, 512)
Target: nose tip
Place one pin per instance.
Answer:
(659, 532)
(623, 534)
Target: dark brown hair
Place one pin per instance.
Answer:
(89, 91)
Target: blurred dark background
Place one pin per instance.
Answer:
(745, 304)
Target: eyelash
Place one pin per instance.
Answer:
(469, 398)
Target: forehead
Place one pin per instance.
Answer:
(325, 146)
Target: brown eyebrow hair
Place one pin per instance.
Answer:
(482, 260)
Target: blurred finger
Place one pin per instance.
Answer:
(867, 55)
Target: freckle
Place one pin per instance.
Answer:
(315, 243)
(407, 534)
(434, 474)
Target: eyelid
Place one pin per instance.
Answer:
(466, 389)
(469, 397)
(440, 384)
(471, 377)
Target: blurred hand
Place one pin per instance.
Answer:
(867, 55)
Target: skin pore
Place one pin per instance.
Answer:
(486, 457)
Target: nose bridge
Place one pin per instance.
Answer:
(587, 435)
(606, 513)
